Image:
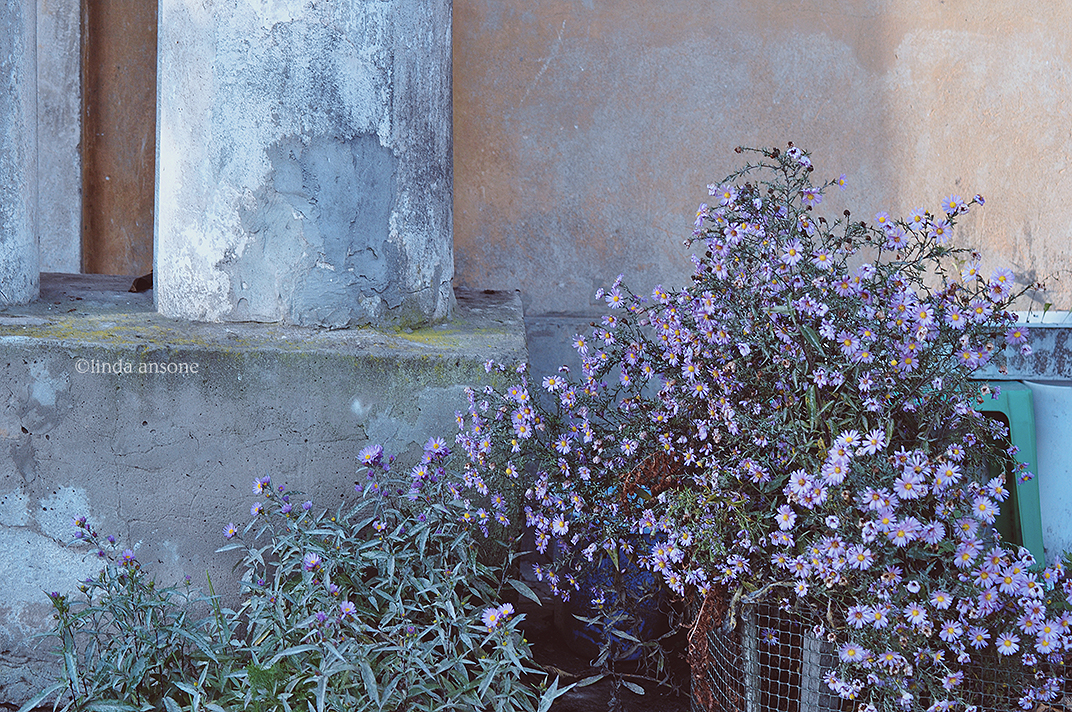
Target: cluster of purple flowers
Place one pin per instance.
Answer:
(494, 617)
(799, 422)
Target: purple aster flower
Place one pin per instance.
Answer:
(311, 561)
(965, 553)
(984, 509)
(726, 193)
(347, 609)
(371, 455)
(978, 637)
(857, 616)
(811, 196)
(1007, 643)
(953, 204)
(950, 631)
(909, 485)
(436, 448)
(878, 616)
(896, 237)
(940, 231)
(1016, 335)
(230, 530)
(261, 484)
(1001, 283)
(792, 253)
(853, 653)
(915, 614)
(491, 617)
(786, 517)
(859, 557)
(933, 532)
(953, 680)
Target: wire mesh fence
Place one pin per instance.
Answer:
(771, 662)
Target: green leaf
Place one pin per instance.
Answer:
(291, 651)
(230, 547)
(551, 694)
(40, 696)
(812, 338)
(321, 693)
(525, 591)
(633, 687)
(111, 706)
(813, 406)
(422, 540)
(192, 691)
(69, 660)
(388, 691)
(171, 705)
(489, 677)
(369, 679)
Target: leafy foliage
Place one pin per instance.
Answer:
(380, 606)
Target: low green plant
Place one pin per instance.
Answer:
(126, 643)
(382, 605)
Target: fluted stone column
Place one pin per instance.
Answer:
(19, 278)
(305, 162)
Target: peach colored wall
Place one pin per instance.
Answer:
(587, 130)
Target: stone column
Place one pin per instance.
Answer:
(304, 169)
(19, 277)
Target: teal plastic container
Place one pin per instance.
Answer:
(1020, 520)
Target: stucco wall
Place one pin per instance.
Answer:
(586, 132)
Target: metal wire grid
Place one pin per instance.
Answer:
(996, 687)
(770, 662)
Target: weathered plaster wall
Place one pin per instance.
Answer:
(304, 166)
(586, 132)
(59, 130)
(18, 152)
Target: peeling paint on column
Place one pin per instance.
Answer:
(319, 243)
(305, 163)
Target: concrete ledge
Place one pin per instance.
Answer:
(155, 428)
(1051, 352)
